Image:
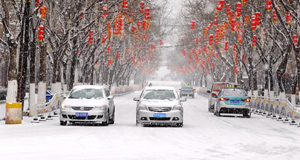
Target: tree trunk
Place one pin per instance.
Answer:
(73, 65)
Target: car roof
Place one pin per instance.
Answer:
(160, 87)
(232, 89)
(89, 86)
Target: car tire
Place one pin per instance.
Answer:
(246, 115)
(63, 123)
(112, 119)
(105, 123)
(179, 124)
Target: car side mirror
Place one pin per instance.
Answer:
(214, 96)
(64, 96)
(110, 97)
(136, 99)
(183, 99)
(208, 91)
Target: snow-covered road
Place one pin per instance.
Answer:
(203, 136)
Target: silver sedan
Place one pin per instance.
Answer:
(159, 105)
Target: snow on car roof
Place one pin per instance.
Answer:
(88, 86)
(160, 87)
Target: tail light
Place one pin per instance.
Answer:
(224, 99)
(246, 100)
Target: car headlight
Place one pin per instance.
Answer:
(142, 108)
(178, 107)
(103, 107)
(63, 106)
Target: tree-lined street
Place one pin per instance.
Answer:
(203, 136)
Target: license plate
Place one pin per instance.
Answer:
(79, 114)
(234, 101)
(158, 115)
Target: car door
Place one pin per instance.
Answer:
(110, 101)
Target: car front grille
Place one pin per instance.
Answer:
(81, 118)
(82, 108)
(159, 109)
(159, 118)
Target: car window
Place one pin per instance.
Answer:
(187, 88)
(234, 93)
(86, 94)
(158, 94)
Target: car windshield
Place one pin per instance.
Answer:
(86, 94)
(187, 88)
(235, 93)
(159, 94)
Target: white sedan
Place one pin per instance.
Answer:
(89, 104)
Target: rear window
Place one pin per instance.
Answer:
(234, 93)
(219, 87)
(187, 88)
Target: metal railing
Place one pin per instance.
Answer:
(276, 108)
(46, 111)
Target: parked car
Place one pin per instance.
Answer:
(233, 102)
(214, 91)
(89, 104)
(187, 91)
(159, 105)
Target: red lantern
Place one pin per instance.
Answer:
(183, 52)
(257, 18)
(147, 13)
(219, 7)
(226, 46)
(246, 19)
(235, 69)
(221, 2)
(108, 50)
(288, 17)
(103, 38)
(274, 16)
(37, 3)
(90, 37)
(43, 10)
(119, 56)
(295, 39)
(253, 23)
(254, 40)
(41, 33)
(142, 3)
(269, 5)
(144, 24)
(193, 25)
(211, 38)
(216, 20)
(124, 4)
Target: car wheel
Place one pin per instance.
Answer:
(211, 109)
(112, 119)
(63, 123)
(246, 115)
(179, 124)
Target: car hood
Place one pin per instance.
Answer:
(159, 103)
(85, 102)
